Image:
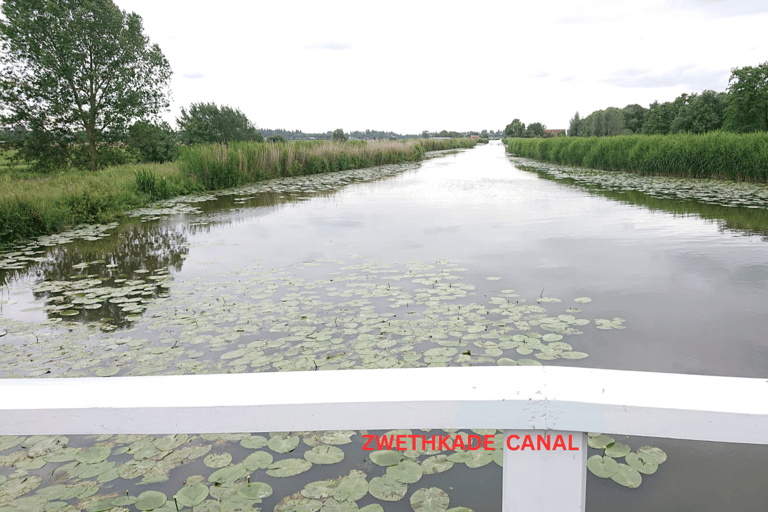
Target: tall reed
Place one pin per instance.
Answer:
(217, 166)
(726, 155)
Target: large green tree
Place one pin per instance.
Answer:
(74, 67)
(747, 109)
(206, 123)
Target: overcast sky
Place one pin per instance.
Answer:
(408, 66)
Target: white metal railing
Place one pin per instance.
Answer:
(521, 400)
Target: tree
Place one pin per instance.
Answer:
(425, 134)
(276, 138)
(515, 129)
(338, 135)
(207, 123)
(747, 109)
(702, 113)
(535, 130)
(634, 115)
(152, 142)
(74, 66)
(573, 127)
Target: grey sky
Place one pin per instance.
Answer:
(410, 66)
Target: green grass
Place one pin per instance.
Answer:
(33, 204)
(722, 155)
(216, 166)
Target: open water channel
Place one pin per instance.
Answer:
(462, 259)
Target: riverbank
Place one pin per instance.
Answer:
(35, 205)
(719, 155)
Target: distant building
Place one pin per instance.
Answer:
(554, 133)
(475, 136)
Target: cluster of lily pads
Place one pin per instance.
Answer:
(238, 471)
(367, 315)
(645, 461)
(710, 191)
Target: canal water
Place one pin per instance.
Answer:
(466, 258)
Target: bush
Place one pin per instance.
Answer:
(152, 142)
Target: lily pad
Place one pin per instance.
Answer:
(351, 487)
(280, 444)
(617, 450)
(627, 476)
(254, 490)
(436, 464)
(150, 500)
(107, 371)
(386, 457)
(93, 455)
(600, 442)
(406, 471)
(217, 460)
(432, 499)
(646, 467)
(603, 467)
(387, 488)
(324, 454)
(651, 451)
(228, 474)
(258, 460)
(288, 467)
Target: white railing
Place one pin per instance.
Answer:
(522, 400)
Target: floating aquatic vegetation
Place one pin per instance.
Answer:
(645, 461)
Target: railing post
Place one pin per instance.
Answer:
(544, 479)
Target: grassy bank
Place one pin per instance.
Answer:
(723, 155)
(217, 166)
(33, 205)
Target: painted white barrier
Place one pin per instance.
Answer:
(569, 401)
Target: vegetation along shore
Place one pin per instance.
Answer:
(37, 204)
(719, 154)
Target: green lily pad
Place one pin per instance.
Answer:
(646, 467)
(373, 507)
(387, 488)
(280, 444)
(627, 476)
(107, 371)
(337, 437)
(406, 471)
(93, 455)
(150, 500)
(254, 442)
(298, 503)
(617, 450)
(228, 474)
(288, 467)
(351, 487)
(124, 501)
(436, 464)
(254, 490)
(432, 499)
(386, 457)
(505, 361)
(217, 460)
(657, 454)
(582, 300)
(324, 454)
(603, 467)
(600, 442)
(258, 460)
(191, 495)
(320, 489)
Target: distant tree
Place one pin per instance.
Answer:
(207, 123)
(535, 130)
(425, 134)
(613, 122)
(338, 135)
(484, 134)
(515, 129)
(747, 109)
(573, 126)
(276, 138)
(702, 113)
(634, 115)
(152, 142)
(72, 67)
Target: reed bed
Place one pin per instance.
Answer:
(723, 155)
(216, 166)
(33, 205)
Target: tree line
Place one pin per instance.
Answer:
(742, 108)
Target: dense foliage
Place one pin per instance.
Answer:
(207, 123)
(75, 74)
(742, 157)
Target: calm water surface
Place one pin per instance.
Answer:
(691, 287)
